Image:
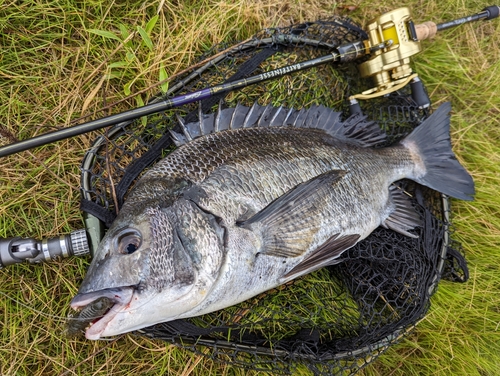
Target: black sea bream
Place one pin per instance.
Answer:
(252, 198)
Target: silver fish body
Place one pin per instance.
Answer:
(235, 212)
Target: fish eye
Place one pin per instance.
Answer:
(128, 241)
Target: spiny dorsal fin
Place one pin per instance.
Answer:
(278, 117)
(356, 130)
(252, 115)
(177, 138)
(266, 116)
(185, 128)
(218, 117)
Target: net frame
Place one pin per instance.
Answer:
(118, 157)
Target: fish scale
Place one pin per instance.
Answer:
(287, 155)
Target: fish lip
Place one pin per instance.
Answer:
(121, 297)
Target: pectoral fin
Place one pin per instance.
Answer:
(289, 223)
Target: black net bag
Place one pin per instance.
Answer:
(337, 319)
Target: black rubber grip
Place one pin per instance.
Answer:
(493, 11)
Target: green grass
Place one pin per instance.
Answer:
(62, 60)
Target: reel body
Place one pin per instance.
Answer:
(390, 66)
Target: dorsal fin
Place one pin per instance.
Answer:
(356, 130)
(278, 117)
(252, 115)
(178, 138)
(266, 116)
(218, 117)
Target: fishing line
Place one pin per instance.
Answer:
(65, 319)
(42, 313)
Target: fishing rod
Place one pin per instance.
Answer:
(346, 52)
(392, 39)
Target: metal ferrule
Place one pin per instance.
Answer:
(45, 250)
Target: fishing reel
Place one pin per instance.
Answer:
(389, 67)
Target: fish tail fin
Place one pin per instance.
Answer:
(441, 170)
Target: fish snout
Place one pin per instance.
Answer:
(97, 309)
(120, 295)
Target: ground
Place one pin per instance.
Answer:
(62, 60)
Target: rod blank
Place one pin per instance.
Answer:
(167, 104)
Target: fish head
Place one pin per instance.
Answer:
(155, 266)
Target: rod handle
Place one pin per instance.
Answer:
(429, 29)
(426, 30)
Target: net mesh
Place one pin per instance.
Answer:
(335, 320)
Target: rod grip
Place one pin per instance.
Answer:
(426, 30)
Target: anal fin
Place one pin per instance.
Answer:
(403, 217)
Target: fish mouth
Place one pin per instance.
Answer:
(118, 301)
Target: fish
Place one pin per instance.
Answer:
(252, 198)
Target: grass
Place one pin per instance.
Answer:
(63, 60)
